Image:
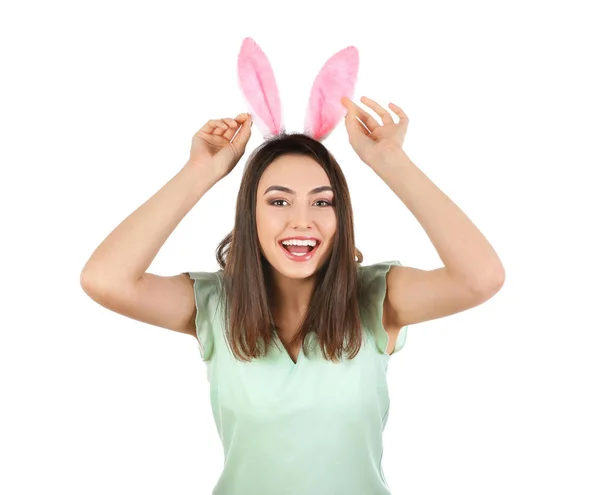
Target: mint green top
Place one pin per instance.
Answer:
(311, 427)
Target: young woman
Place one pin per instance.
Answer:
(296, 333)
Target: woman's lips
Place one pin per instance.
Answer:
(304, 257)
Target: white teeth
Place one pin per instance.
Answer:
(295, 242)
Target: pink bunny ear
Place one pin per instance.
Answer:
(257, 82)
(335, 79)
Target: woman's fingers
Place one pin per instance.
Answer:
(386, 118)
(218, 127)
(224, 129)
(236, 125)
(218, 123)
(212, 125)
(215, 139)
(398, 111)
(365, 117)
(232, 127)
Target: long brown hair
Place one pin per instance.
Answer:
(333, 313)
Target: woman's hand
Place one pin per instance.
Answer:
(213, 147)
(376, 141)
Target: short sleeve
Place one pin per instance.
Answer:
(206, 294)
(372, 279)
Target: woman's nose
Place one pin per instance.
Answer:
(300, 217)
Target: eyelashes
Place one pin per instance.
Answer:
(327, 203)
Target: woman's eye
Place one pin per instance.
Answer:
(326, 203)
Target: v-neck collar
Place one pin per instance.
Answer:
(287, 354)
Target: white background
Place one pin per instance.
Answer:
(99, 102)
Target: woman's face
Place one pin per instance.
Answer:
(297, 212)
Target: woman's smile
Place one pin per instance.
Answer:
(299, 252)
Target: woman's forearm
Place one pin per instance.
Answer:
(125, 255)
(463, 249)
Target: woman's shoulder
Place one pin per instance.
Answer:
(368, 273)
(208, 276)
(206, 283)
(372, 281)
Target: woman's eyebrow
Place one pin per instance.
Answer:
(291, 191)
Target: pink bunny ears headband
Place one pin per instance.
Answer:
(336, 78)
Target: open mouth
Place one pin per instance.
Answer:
(299, 253)
(298, 249)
